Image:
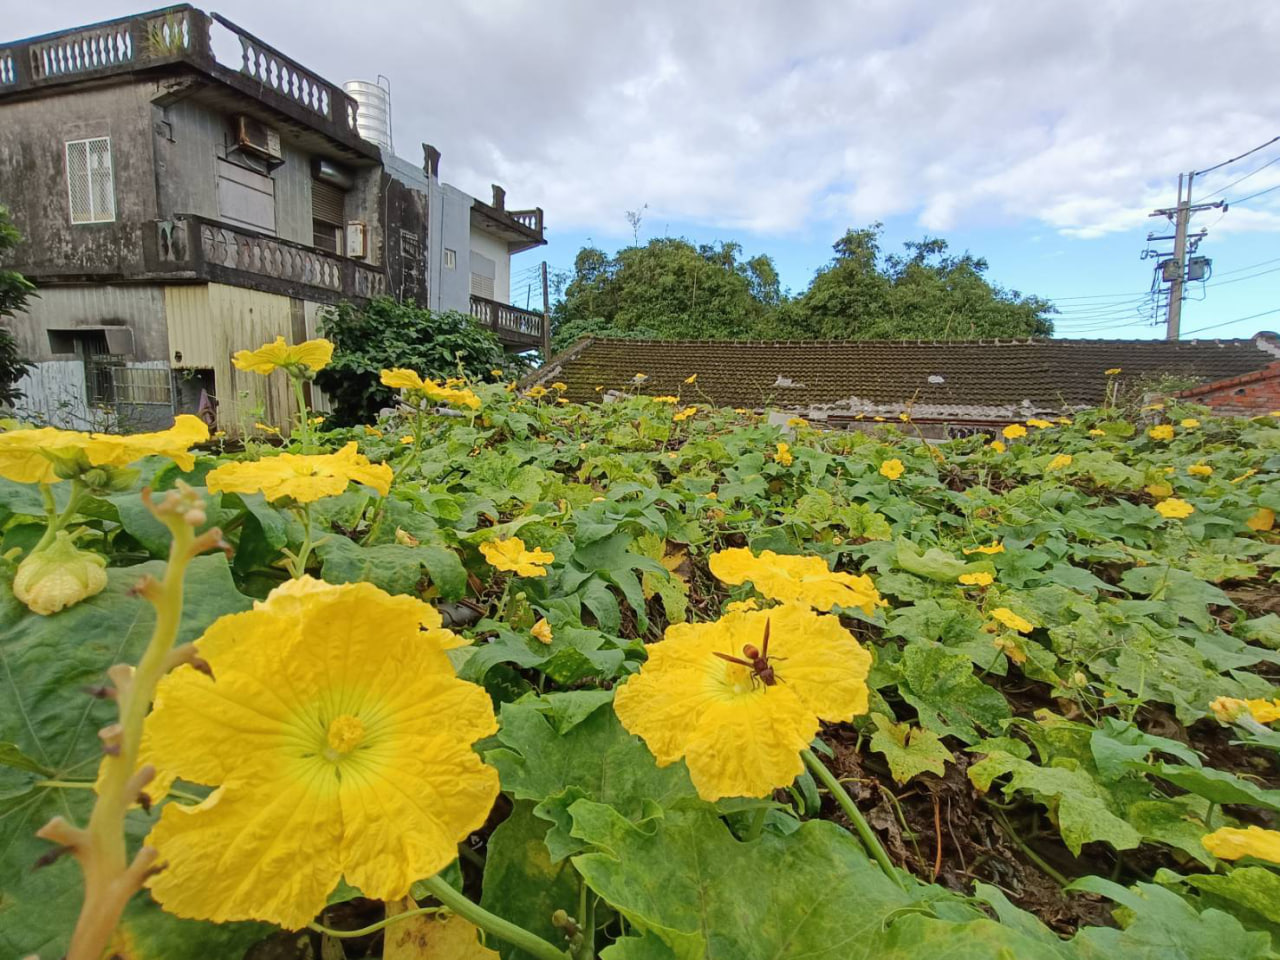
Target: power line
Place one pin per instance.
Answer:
(1227, 273)
(1234, 159)
(1252, 276)
(1241, 179)
(1236, 203)
(1227, 323)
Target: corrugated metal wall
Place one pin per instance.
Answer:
(207, 324)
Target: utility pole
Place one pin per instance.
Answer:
(546, 315)
(1174, 269)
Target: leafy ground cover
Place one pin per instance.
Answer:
(1071, 634)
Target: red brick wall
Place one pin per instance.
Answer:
(1233, 398)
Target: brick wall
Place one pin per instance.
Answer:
(1248, 395)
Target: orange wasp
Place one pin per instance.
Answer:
(757, 660)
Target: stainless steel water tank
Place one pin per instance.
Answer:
(373, 119)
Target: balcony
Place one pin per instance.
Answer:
(515, 328)
(198, 249)
(182, 36)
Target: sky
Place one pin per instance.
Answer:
(1039, 136)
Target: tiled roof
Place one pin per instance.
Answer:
(996, 378)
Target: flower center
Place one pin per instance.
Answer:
(345, 734)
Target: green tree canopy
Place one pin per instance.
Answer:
(15, 289)
(670, 289)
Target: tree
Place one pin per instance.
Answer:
(15, 290)
(666, 289)
(384, 334)
(926, 294)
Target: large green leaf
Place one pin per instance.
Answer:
(908, 750)
(812, 894)
(45, 665)
(951, 701)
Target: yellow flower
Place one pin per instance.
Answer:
(1232, 843)
(1190, 423)
(542, 631)
(495, 372)
(301, 477)
(408, 439)
(640, 377)
(1059, 462)
(311, 354)
(536, 392)
(59, 576)
(1163, 432)
(1064, 421)
(1263, 520)
(713, 495)
(666, 399)
(34, 456)
(994, 547)
(266, 428)
(562, 400)
(512, 555)
(891, 469)
(1200, 470)
(315, 420)
(742, 606)
(1011, 648)
(738, 733)
(1174, 509)
(411, 382)
(340, 744)
(976, 579)
(405, 538)
(904, 417)
(401, 379)
(998, 446)
(878, 419)
(560, 386)
(796, 579)
(372, 431)
(1013, 431)
(741, 410)
(1040, 424)
(692, 378)
(1244, 476)
(684, 414)
(1229, 709)
(783, 454)
(1153, 406)
(1012, 620)
(1159, 489)
(1112, 372)
(1095, 432)
(797, 422)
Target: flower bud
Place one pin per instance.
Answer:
(59, 576)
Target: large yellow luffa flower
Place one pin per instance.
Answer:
(31, 456)
(803, 579)
(410, 381)
(302, 477)
(739, 734)
(340, 744)
(513, 556)
(312, 354)
(1232, 843)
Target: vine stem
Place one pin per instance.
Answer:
(1030, 854)
(865, 833)
(375, 927)
(304, 420)
(58, 520)
(518, 937)
(110, 878)
(298, 563)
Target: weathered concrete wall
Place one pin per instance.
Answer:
(406, 213)
(33, 179)
(495, 248)
(140, 307)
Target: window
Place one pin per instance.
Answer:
(483, 271)
(89, 180)
(450, 259)
(410, 265)
(327, 204)
(246, 198)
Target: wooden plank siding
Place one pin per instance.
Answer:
(207, 324)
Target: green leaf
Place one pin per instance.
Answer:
(950, 700)
(812, 894)
(12, 756)
(1216, 786)
(909, 750)
(1079, 803)
(916, 937)
(934, 564)
(45, 664)
(1255, 888)
(521, 884)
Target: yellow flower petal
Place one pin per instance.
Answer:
(1232, 843)
(976, 579)
(302, 477)
(1060, 462)
(541, 631)
(312, 354)
(341, 744)
(511, 555)
(1230, 709)
(790, 578)
(1174, 509)
(783, 454)
(993, 547)
(1163, 432)
(891, 469)
(1262, 520)
(1200, 470)
(1013, 431)
(1012, 620)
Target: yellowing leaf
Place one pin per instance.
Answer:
(431, 937)
(908, 750)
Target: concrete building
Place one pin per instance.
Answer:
(180, 202)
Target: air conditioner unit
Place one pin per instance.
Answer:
(357, 246)
(258, 138)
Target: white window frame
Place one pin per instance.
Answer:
(94, 216)
(450, 259)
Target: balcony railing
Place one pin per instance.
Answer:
(180, 33)
(212, 250)
(514, 327)
(528, 218)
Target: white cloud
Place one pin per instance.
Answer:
(756, 115)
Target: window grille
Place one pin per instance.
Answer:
(90, 184)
